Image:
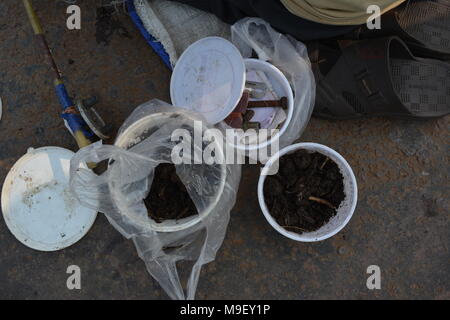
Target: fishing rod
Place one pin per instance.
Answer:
(81, 119)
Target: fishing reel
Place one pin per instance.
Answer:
(92, 118)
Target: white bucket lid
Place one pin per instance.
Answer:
(37, 203)
(209, 78)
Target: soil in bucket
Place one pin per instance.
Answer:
(305, 193)
(168, 198)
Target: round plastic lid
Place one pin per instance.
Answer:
(37, 204)
(209, 78)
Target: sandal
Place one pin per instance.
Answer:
(378, 77)
(423, 25)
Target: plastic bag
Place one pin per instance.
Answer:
(145, 140)
(288, 55)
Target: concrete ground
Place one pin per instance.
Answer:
(401, 223)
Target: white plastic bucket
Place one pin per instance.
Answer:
(283, 90)
(345, 210)
(131, 136)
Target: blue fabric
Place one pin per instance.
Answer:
(156, 45)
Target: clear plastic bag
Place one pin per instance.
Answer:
(288, 55)
(145, 141)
